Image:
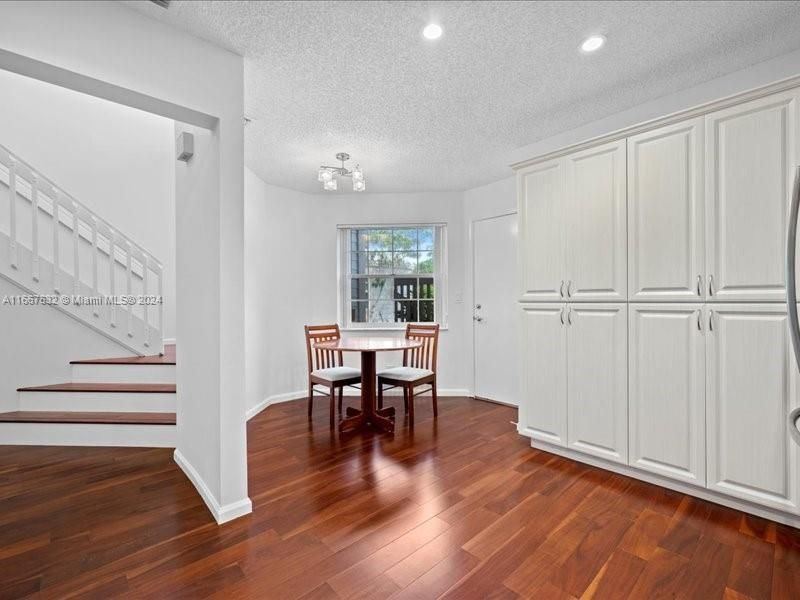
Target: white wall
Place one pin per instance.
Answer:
(116, 160)
(277, 288)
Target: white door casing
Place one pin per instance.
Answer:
(667, 390)
(751, 386)
(496, 347)
(597, 224)
(666, 237)
(543, 411)
(597, 380)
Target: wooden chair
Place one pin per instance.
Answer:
(325, 367)
(419, 368)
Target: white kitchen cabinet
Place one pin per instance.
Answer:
(750, 159)
(542, 242)
(751, 386)
(666, 238)
(543, 413)
(596, 224)
(667, 390)
(597, 382)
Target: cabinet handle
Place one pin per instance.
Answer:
(561, 289)
(710, 285)
(569, 316)
(699, 285)
(569, 288)
(711, 320)
(561, 312)
(699, 320)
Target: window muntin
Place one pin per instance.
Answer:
(392, 275)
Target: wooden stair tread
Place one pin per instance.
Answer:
(108, 418)
(167, 359)
(147, 388)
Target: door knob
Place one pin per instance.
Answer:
(477, 318)
(478, 306)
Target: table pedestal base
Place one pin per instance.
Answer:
(369, 416)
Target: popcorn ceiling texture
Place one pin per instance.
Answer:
(323, 77)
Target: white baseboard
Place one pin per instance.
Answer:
(221, 514)
(303, 394)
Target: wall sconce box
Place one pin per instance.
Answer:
(184, 146)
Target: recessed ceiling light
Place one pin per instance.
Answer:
(592, 43)
(432, 31)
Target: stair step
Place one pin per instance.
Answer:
(112, 388)
(122, 373)
(100, 418)
(168, 358)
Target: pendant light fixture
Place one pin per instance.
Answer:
(327, 175)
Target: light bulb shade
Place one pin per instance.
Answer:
(358, 174)
(324, 175)
(330, 185)
(359, 185)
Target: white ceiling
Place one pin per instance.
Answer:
(323, 77)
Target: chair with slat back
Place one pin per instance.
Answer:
(419, 368)
(326, 368)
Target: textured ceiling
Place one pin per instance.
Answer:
(323, 77)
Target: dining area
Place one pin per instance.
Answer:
(328, 375)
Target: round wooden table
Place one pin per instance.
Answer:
(369, 415)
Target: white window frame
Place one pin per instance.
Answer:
(439, 275)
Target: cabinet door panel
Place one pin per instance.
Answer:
(665, 213)
(667, 390)
(751, 387)
(750, 153)
(543, 412)
(597, 382)
(542, 261)
(596, 224)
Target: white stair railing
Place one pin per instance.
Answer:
(83, 282)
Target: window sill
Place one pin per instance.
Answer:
(384, 329)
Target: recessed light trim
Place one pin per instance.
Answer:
(593, 43)
(432, 31)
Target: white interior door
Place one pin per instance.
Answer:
(494, 309)
(667, 390)
(597, 380)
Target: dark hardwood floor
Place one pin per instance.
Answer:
(461, 507)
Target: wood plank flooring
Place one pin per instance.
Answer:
(460, 507)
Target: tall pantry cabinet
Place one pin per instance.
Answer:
(652, 289)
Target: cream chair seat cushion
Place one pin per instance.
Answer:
(336, 373)
(405, 373)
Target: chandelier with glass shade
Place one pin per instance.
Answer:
(328, 175)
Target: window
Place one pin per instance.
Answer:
(391, 275)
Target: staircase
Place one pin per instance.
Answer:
(53, 246)
(128, 401)
(59, 253)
